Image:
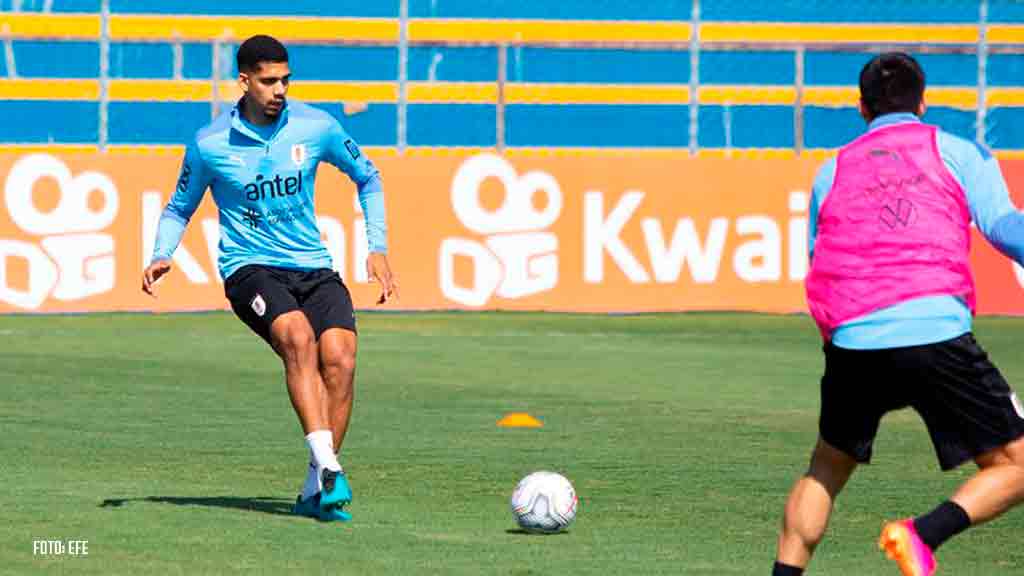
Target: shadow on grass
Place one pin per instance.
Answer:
(264, 504)
(521, 532)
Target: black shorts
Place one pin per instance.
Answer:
(964, 401)
(259, 294)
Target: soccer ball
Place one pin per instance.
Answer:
(544, 502)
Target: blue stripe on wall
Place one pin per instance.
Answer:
(843, 68)
(177, 122)
(376, 126)
(58, 5)
(44, 59)
(197, 60)
(141, 60)
(836, 11)
(596, 65)
(957, 122)
(831, 127)
(1008, 11)
(50, 121)
(452, 125)
(1002, 128)
(547, 9)
(745, 127)
(596, 125)
(156, 122)
(1005, 69)
(349, 8)
(720, 67)
(452, 64)
(343, 62)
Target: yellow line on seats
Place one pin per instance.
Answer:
(64, 26)
(1005, 97)
(831, 96)
(47, 148)
(49, 89)
(309, 29)
(345, 91)
(748, 153)
(530, 31)
(160, 90)
(238, 28)
(462, 92)
(846, 96)
(754, 95)
(819, 33)
(1005, 34)
(529, 93)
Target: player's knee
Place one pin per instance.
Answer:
(339, 365)
(294, 339)
(1014, 452)
(1011, 454)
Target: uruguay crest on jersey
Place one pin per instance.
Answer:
(298, 154)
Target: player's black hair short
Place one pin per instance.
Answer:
(259, 49)
(891, 82)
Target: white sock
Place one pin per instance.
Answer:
(313, 483)
(321, 444)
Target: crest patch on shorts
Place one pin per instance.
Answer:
(260, 307)
(1017, 407)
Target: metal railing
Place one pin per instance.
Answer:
(982, 49)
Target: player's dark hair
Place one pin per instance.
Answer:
(257, 50)
(891, 82)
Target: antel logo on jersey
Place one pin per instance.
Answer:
(276, 187)
(70, 260)
(517, 257)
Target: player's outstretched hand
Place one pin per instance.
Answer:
(152, 274)
(379, 270)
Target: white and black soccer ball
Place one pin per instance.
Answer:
(544, 502)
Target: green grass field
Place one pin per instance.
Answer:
(168, 443)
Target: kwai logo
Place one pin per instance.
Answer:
(74, 260)
(517, 257)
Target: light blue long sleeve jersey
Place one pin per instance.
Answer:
(262, 179)
(932, 318)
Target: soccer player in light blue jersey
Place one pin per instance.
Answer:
(260, 160)
(915, 348)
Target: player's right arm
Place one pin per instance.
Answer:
(192, 183)
(822, 185)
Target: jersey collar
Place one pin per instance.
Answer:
(240, 126)
(894, 118)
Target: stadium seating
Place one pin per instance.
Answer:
(577, 73)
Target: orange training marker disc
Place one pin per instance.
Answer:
(519, 420)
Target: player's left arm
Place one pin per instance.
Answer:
(343, 152)
(989, 201)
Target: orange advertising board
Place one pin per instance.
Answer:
(476, 232)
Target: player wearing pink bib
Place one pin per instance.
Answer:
(891, 291)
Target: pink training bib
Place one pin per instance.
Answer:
(895, 226)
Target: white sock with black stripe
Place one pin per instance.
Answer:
(313, 484)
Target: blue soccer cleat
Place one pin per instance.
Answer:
(336, 491)
(310, 507)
